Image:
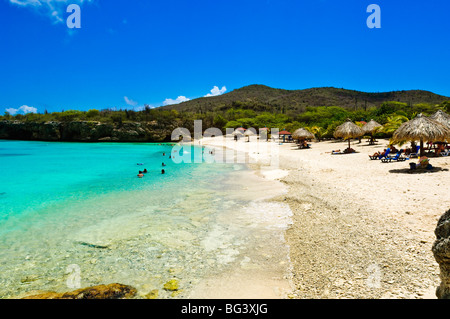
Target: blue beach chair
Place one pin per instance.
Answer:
(397, 158)
(388, 151)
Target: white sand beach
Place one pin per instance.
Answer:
(360, 228)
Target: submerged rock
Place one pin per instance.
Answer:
(94, 245)
(172, 285)
(152, 294)
(112, 291)
(441, 251)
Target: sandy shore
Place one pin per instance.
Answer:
(360, 228)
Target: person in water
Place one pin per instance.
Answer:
(163, 164)
(145, 170)
(163, 171)
(140, 175)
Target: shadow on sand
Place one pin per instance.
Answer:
(418, 170)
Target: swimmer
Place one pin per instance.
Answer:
(163, 164)
(140, 175)
(162, 171)
(145, 170)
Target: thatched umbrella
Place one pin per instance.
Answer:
(302, 134)
(250, 132)
(441, 117)
(348, 130)
(369, 128)
(423, 129)
(237, 133)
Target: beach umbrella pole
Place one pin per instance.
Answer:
(422, 151)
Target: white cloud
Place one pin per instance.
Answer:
(216, 91)
(178, 100)
(55, 9)
(129, 101)
(23, 109)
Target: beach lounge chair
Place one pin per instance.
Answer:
(377, 157)
(397, 158)
(446, 153)
(388, 151)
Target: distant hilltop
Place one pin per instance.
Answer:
(264, 98)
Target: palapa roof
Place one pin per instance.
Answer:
(250, 131)
(441, 117)
(237, 132)
(348, 130)
(302, 133)
(421, 128)
(369, 127)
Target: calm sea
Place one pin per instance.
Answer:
(76, 214)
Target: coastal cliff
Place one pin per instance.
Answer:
(86, 131)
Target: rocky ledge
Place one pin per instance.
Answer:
(86, 131)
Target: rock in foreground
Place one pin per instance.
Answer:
(441, 251)
(112, 291)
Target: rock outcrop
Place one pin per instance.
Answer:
(86, 131)
(112, 291)
(441, 251)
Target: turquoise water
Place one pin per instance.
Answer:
(35, 175)
(75, 215)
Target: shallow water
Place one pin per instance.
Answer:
(75, 215)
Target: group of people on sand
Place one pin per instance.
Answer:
(424, 162)
(141, 173)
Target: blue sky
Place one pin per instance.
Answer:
(136, 52)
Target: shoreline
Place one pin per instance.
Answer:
(262, 268)
(360, 228)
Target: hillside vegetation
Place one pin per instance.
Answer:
(320, 110)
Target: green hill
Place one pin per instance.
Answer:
(264, 98)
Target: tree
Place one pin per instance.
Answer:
(219, 121)
(446, 106)
(392, 124)
(318, 132)
(233, 124)
(92, 113)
